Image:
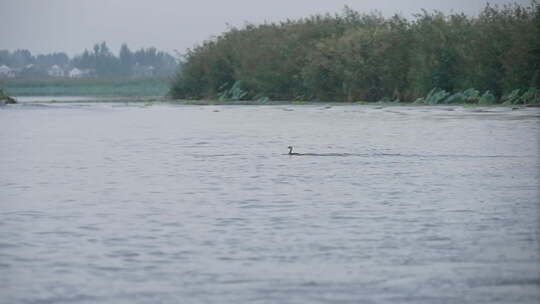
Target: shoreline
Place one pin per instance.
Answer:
(166, 100)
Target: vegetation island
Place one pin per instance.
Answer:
(434, 58)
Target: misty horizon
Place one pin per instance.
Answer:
(174, 26)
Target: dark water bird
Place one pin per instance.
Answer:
(291, 152)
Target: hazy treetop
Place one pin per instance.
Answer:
(71, 26)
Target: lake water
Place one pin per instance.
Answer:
(125, 203)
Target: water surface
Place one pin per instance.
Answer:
(126, 203)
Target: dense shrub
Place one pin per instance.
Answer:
(353, 56)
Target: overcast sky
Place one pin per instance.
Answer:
(44, 26)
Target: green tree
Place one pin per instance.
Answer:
(125, 58)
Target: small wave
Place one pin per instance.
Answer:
(446, 155)
(327, 154)
(407, 155)
(413, 155)
(504, 282)
(215, 155)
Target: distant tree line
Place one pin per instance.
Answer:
(366, 57)
(98, 62)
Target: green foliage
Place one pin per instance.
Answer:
(105, 64)
(512, 97)
(99, 62)
(471, 95)
(436, 96)
(235, 93)
(487, 98)
(531, 96)
(353, 56)
(420, 100)
(4, 98)
(457, 98)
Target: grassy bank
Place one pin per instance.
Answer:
(469, 97)
(86, 87)
(5, 99)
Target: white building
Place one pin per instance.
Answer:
(143, 70)
(75, 73)
(56, 71)
(78, 73)
(6, 72)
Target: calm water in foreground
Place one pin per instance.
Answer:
(115, 203)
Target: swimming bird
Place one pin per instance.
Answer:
(317, 154)
(291, 152)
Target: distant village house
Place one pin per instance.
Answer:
(80, 73)
(143, 70)
(75, 73)
(56, 71)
